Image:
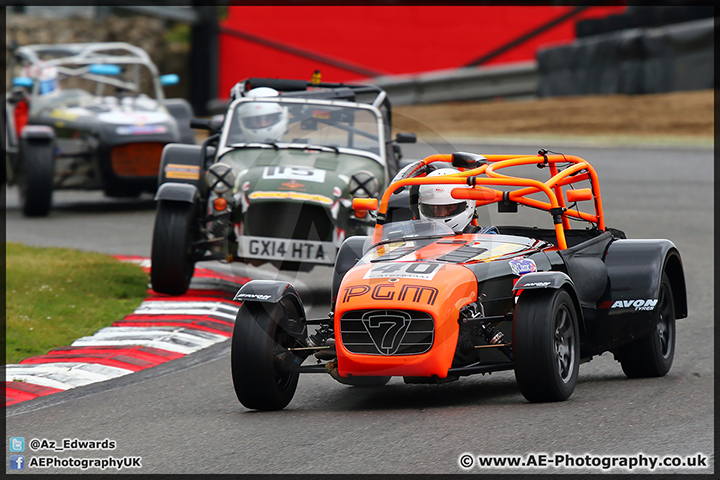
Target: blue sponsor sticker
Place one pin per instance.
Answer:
(520, 266)
(141, 129)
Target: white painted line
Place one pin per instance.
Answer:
(160, 307)
(175, 339)
(62, 375)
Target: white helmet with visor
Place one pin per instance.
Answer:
(437, 204)
(262, 121)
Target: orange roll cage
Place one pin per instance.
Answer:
(483, 178)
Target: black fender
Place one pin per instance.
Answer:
(554, 281)
(182, 112)
(635, 269)
(627, 310)
(269, 291)
(182, 164)
(37, 133)
(347, 256)
(178, 192)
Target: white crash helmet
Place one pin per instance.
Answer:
(262, 121)
(437, 204)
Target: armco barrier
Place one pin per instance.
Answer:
(471, 83)
(635, 61)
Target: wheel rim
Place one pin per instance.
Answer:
(564, 344)
(664, 327)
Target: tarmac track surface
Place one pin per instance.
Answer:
(183, 417)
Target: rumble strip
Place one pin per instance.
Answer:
(162, 328)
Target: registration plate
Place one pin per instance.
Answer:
(270, 248)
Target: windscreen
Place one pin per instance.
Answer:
(273, 121)
(413, 229)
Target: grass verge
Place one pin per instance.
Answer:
(55, 296)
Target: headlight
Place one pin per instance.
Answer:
(363, 184)
(220, 178)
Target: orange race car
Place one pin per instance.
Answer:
(432, 295)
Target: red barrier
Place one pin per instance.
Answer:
(385, 40)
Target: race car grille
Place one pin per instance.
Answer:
(296, 220)
(387, 332)
(140, 159)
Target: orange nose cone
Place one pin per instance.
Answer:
(220, 204)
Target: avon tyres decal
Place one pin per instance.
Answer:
(520, 266)
(384, 291)
(639, 304)
(419, 271)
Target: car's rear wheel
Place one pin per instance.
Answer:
(172, 256)
(546, 345)
(36, 177)
(261, 337)
(652, 355)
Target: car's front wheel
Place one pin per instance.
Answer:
(172, 256)
(652, 355)
(546, 345)
(260, 339)
(36, 177)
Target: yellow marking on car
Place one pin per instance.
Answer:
(308, 197)
(63, 115)
(495, 251)
(382, 250)
(182, 172)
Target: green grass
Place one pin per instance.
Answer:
(55, 296)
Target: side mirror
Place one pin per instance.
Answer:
(467, 160)
(406, 161)
(406, 138)
(579, 195)
(22, 82)
(211, 124)
(365, 204)
(104, 69)
(169, 79)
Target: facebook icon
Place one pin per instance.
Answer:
(17, 462)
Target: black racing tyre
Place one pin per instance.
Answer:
(36, 177)
(652, 355)
(260, 335)
(172, 256)
(546, 345)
